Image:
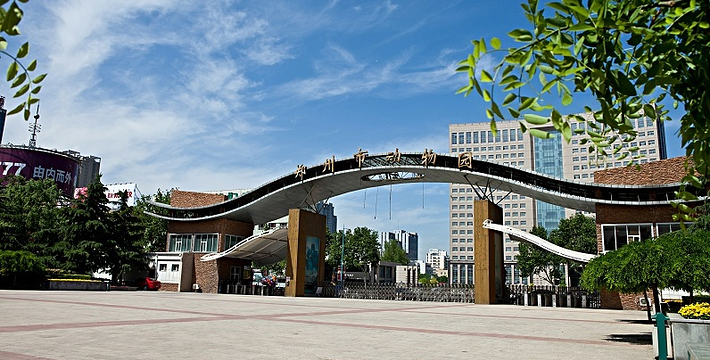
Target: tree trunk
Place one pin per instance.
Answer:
(648, 308)
(656, 299)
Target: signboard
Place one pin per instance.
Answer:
(37, 163)
(113, 190)
(112, 193)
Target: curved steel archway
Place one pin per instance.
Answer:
(320, 182)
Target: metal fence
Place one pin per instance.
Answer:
(359, 290)
(526, 295)
(554, 296)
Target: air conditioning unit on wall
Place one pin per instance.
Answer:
(195, 286)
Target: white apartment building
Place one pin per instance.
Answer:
(439, 261)
(554, 157)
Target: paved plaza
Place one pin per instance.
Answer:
(41, 325)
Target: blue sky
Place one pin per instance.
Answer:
(234, 94)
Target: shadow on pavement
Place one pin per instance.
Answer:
(634, 339)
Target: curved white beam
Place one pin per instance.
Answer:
(540, 242)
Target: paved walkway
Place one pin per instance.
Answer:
(41, 325)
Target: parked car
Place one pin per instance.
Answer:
(147, 283)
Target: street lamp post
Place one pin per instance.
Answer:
(342, 259)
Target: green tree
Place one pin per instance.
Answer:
(124, 247)
(576, 233)
(632, 56)
(85, 229)
(533, 260)
(690, 252)
(362, 250)
(155, 230)
(633, 268)
(394, 253)
(29, 217)
(18, 75)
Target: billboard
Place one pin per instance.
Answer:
(37, 163)
(112, 193)
(113, 190)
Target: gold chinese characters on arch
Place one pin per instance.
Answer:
(360, 157)
(300, 171)
(466, 160)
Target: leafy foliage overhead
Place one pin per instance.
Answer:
(632, 56)
(19, 76)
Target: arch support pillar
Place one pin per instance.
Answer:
(305, 260)
(488, 254)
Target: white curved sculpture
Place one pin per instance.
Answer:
(542, 243)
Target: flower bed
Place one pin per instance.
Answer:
(691, 325)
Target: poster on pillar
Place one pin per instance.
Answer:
(312, 264)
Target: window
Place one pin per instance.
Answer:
(460, 139)
(522, 205)
(453, 138)
(616, 236)
(470, 248)
(505, 135)
(205, 243)
(512, 135)
(180, 242)
(175, 267)
(455, 257)
(455, 248)
(163, 267)
(475, 139)
(667, 227)
(235, 273)
(455, 240)
(231, 240)
(468, 137)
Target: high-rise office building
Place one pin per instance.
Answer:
(409, 241)
(554, 157)
(331, 220)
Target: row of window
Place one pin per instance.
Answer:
(475, 137)
(516, 223)
(515, 213)
(200, 242)
(455, 248)
(616, 236)
(455, 240)
(462, 257)
(498, 148)
(462, 223)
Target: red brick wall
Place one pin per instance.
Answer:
(667, 171)
(168, 287)
(188, 199)
(615, 300)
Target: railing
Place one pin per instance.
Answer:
(527, 295)
(555, 296)
(359, 290)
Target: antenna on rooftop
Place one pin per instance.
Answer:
(35, 128)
